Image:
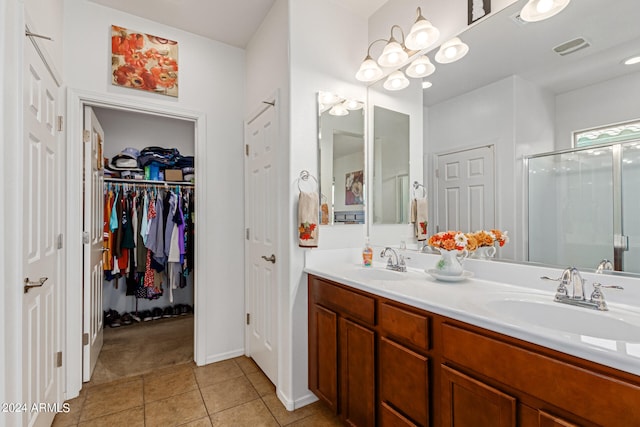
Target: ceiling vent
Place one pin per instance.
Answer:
(571, 46)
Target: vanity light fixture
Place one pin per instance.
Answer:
(338, 110)
(369, 70)
(632, 61)
(538, 10)
(451, 51)
(426, 84)
(352, 104)
(421, 67)
(393, 53)
(396, 81)
(422, 35)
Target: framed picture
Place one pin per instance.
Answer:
(353, 191)
(477, 9)
(144, 62)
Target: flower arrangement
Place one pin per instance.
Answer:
(449, 240)
(486, 238)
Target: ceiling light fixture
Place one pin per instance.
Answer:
(421, 67)
(422, 34)
(538, 10)
(451, 51)
(396, 81)
(632, 61)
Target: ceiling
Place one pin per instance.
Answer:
(229, 21)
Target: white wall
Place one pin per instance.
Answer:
(45, 17)
(612, 101)
(211, 81)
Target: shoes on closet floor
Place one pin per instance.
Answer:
(126, 319)
(168, 312)
(135, 316)
(114, 320)
(145, 315)
(156, 313)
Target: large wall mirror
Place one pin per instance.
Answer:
(522, 89)
(342, 159)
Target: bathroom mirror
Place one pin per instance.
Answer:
(342, 154)
(523, 88)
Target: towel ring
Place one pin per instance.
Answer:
(417, 186)
(304, 176)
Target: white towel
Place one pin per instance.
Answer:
(308, 220)
(420, 218)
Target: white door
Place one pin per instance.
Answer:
(261, 246)
(92, 239)
(42, 153)
(466, 200)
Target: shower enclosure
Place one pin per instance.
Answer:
(584, 206)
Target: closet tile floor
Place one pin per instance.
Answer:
(233, 392)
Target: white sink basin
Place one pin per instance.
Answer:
(376, 273)
(574, 320)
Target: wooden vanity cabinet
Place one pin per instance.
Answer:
(379, 362)
(342, 351)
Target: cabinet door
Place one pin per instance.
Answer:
(323, 355)
(357, 349)
(548, 420)
(467, 402)
(404, 381)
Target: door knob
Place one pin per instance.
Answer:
(271, 259)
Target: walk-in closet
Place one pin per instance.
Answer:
(148, 194)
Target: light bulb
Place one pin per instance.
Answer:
(544, 6)
(450, 52)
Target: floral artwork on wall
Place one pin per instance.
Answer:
(354, 188)
(145, 62)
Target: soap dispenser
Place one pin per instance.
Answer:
(367, 255)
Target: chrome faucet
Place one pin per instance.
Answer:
(571, 278)
(605, 265)
(395, 261)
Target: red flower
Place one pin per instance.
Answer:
(164, 77)
(119, 45)
(140, 78)
(135, 58)
(136, 41)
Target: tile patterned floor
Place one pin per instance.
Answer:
(233, 392)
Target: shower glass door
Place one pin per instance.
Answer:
(631, 205)
(571, 207)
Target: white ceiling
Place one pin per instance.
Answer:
(229, 21)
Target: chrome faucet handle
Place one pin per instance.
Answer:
(561, 290)
(597, 296)
(604, 265)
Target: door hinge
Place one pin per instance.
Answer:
(60, 238)
(86, 136)
(246, 232)
(85, 238)
(246, 149)
(85, 339)
(248, 319)
(60, 123)
(59, 359)
(437, 173)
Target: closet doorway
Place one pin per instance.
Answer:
(174, 322)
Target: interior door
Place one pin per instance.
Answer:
(261, 246)
(92, 239)
(466, 200)
(41, 249)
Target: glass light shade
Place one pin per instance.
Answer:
(451, 51)
(426, 85)
(538, 10)
(352, 104)
(369, 71)
(422, 35)
(632, 61)
(392, 55)
(421, 67)
(338, 110)
(328, 98)
(396, 81)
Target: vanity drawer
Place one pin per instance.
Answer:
(555, 378)
(344, 301)
(405, 326)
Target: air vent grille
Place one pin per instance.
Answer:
(571, 46)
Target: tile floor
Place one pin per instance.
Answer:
(233, 392)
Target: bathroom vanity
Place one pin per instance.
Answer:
(399, 349)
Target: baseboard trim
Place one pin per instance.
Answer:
(223, 356)
(292, 405)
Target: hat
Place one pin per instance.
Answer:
(129, 152)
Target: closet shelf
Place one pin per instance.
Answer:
(147, 182)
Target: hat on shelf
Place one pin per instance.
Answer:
(126, 159)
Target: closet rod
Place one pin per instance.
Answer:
(149, 182)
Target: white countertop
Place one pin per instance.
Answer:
(477, 301)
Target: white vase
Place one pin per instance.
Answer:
(484, 252)
(450, 262)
